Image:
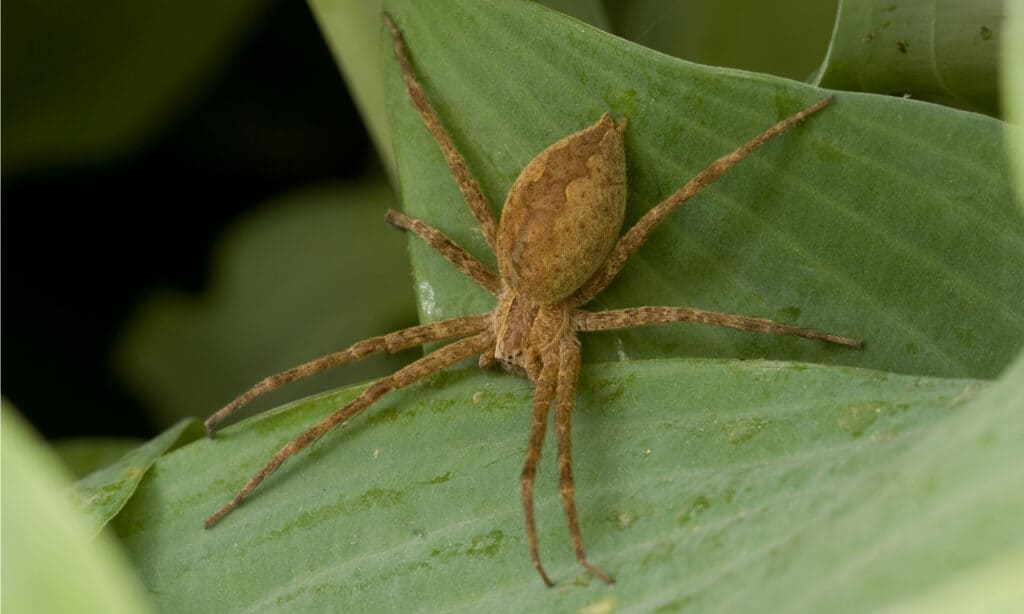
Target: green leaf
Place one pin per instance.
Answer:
(592, 12)
(788, 38)
(83, 455)
(1013, 92)
(351, 28)
(945, 51)
(737, 485)
(102, 494)
(52, 559)
(884, 219)
(308, 274)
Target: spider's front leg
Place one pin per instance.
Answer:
(431, 363)
(392, 342)
(633, 238)
(470, 189)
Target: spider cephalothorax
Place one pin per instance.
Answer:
(558, 246)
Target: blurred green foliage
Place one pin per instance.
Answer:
(91, 79)
(53, 560)
(305, 275)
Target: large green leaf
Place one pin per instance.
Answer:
(736, 485)
(104, 492)
(885, 219)
(946, 51)
(53, 561)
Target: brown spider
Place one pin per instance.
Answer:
(558, 247)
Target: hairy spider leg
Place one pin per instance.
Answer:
(459, 257)
(565, 396)
(475, 198)
(643, 316)
(431, 363)
(392, 342)
(629, 242)
(543, 394)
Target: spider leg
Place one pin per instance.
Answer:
(393, 342)
(475, 198)
(568, 374)
(643, 316)
(444, 357)
(633, 238)
(463, 260)
(544, 392)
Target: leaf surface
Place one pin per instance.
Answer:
(729, 485)
(945, 51)
(53, 560)
(104, 492)
(883, 219)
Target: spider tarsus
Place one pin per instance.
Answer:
(854, 343)
(830, 338)
(821, 104)
(818, 335)
(543, 576)
(600, 575)
(222, 512)
(394, 218)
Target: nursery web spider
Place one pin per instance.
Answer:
(557, 246)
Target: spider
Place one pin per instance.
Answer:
(558, 247)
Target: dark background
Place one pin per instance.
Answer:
(83, 244)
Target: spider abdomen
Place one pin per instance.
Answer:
(564, 213)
